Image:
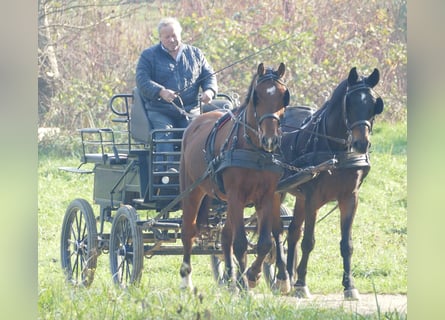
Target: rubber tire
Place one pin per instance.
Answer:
(126, 248)
(79, 243)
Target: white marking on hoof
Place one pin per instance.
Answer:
(186, 273)
(302, 292)
(352, 295)
(186, 283)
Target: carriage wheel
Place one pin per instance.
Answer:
(269, 267)
(126, 247)
(79, 245)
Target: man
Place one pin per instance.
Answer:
(169, 76)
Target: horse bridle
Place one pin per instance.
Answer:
(269, 75)
(349, 127)
(369, 123)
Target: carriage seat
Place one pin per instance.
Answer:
(140, 125)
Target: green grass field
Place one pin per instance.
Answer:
(379, 260)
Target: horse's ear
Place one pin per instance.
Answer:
(260, 71)
(373, 79)
(378, 106)
(353, 76)
(281, 70)
(286, 98)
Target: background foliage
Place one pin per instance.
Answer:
(88, 50)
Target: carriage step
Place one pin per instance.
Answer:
(75, 170)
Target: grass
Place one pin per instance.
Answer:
(379, 260)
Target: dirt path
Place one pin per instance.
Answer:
(366, 305)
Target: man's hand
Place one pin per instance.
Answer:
(168, 95)
(207, 96)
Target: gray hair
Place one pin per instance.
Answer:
(169, 22)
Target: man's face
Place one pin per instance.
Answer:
(170, 38)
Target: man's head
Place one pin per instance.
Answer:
(169, 30)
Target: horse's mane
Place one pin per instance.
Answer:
(339, 92)
(248, 96)
(336, 97)
(249, 92)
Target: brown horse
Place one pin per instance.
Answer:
(340, 129)
(229, 156)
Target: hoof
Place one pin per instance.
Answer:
(186, 277)
(252, 280)
(252, 284)
(186, 284)
(283, 286)
(352, 294)
(302, 292)
(185, 287)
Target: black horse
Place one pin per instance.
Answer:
(339, 130)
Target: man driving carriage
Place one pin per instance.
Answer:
(169, 76)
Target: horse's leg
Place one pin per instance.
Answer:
(348, 207)
(265, 210)
(189, 230)
(240, 251)
(307, 245)
(234, 223)
(202, 220)
(283, 282)
(264, 246)
(293, 235)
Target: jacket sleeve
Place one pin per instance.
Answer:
(148, 88)
(207, 76)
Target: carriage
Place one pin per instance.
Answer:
(140, 201)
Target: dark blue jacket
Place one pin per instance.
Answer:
(156, 70)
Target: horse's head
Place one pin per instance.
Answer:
(270, 97)
(359, 109)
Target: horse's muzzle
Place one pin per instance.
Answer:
(361, 146)
(271, 141)
(270, 144)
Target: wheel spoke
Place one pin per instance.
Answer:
(76, 266)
